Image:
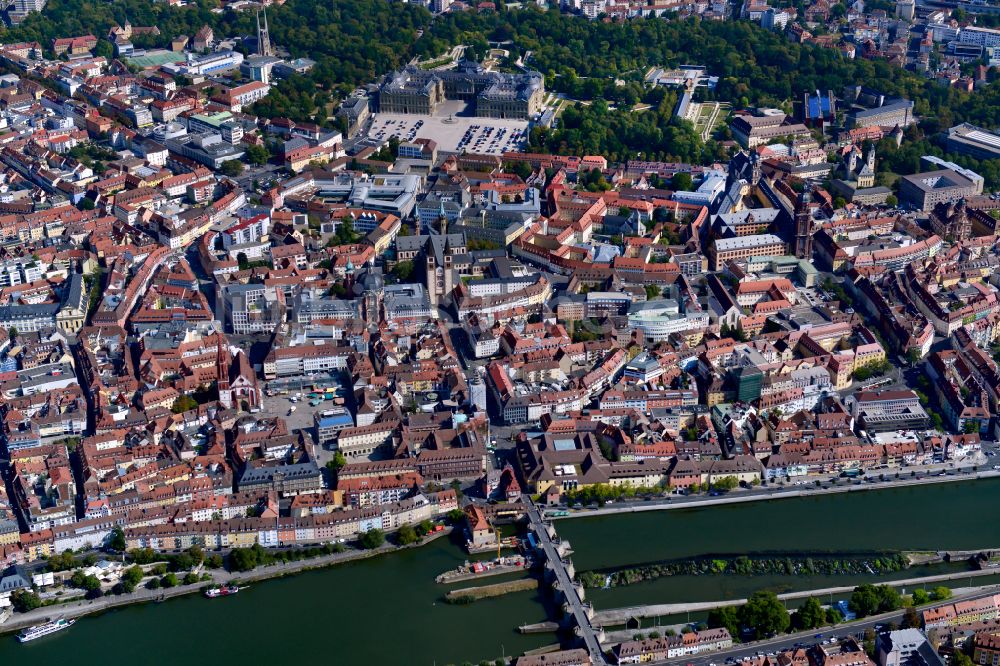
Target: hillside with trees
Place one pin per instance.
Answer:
(356, 41)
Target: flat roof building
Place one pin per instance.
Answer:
(967, 139)
(925, 190)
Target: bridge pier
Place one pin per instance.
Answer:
(549, 572)
(559, 571)
(570, 569)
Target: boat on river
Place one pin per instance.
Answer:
(41, 630)
(222, 591)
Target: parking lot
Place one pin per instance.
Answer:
(453, 133)
(301, 418)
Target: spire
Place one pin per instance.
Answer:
(263, 36)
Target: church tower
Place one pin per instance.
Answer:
(430, 270)
(263, 37)
(803, 227)
(222, 373)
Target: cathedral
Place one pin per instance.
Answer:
(854, 179)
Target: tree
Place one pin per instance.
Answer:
(891, 200)
(143, 555)
(652, 291)
(839, 202)
(521, 168)
(91, 583)
(153, 584)
(940, 593)
(170, 580)
(889, 599)
(133, 575)
(337, 463)
(183, 561)
(407, 535)
(76, 580)
(242, 559)
(764, 615)
(959, 658)
(725, 484)
(681, 181)
(870, 599)
(727, 618)
(810, 615)
(346, 234)
(257, 155)
(372, 539)
(911, 619)
(86, 203)
(864, 600)
(231, 168)
(403, 270)
(184, 403)
(25, 600)
(920, 597)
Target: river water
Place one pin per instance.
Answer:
(947, 516)
(389, 610)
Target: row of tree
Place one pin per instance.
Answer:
(764, 615)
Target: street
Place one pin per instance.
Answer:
(935, 474)
(805, 638)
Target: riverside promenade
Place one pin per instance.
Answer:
(80, 608)
(758, 494)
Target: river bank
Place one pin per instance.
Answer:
(837, 525)
(75, 609)
(404, 581)
(617, 616)
(306, 606)
(759, 493)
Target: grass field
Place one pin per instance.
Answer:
(710, 116)
(156, 58)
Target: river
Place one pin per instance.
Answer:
(947, 516)
(385, 610)
(388, 610)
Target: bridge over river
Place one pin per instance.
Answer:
(559, 570)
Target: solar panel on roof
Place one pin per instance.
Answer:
(984, 137)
